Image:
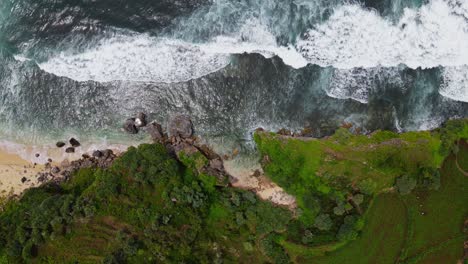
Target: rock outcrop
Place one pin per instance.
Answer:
(180, 126)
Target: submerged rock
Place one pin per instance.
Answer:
(60, 144)
(181, 126)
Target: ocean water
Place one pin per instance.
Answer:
(82, 67)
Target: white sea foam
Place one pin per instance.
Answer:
(353, 37)
(358, 83)
(145, 58)
(356, 37)
(455, 83)
(137, 58)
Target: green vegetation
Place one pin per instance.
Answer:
(147, 207)
(384, 198)
(348, 171)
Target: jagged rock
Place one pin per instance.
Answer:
(107, 153)
(88, 163)
(185, 148)
(257, 173)
(85, 156)
(217, 164)
(284, 132)
(181, 126)
(60, 144)
(55, 170)
(97, 154)
(130, 126)
(156, 132)
(74, 143)
(70, 150)
(140, 121)
(208, 152)
(65, 163)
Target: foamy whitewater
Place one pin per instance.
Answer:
(354, 40)
(232, 65)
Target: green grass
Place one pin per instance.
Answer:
(448, 252)
(149, 207)
(438, 215)
(397, 232)
(88, 242)
(382, 237)
(463, 159)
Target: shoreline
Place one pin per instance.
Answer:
(18, 161)
(13, 169)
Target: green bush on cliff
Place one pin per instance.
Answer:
(147, 207)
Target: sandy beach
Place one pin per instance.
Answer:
(12, 170)
(18, 161)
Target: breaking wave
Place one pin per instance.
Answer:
(435, 35)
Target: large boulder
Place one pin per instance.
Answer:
(140, 120)
(181, 126)
(130, 126)
(156, 132)
(74, 143)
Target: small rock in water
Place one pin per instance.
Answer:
(130, 126)
(181, 126)
(75, 143)
(37, 155)
(70, 150)
(140, 121)
(49, 160)
(60, 144)
(97, 154)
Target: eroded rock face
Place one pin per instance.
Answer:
(181, 126)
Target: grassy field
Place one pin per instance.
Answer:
(423, 227)
(437, 216)
(381, 240)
